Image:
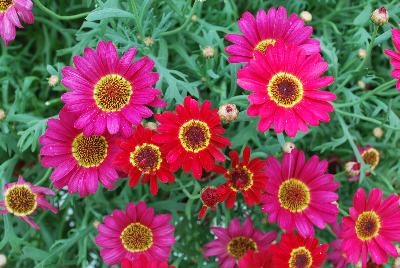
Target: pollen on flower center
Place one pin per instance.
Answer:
(240, 178)
(238, 246)
(263, 45)
(91, 151)
(112, 93)
(371, 157)
(136, 237)
(285, 89)
(294, 195)
(20, 200)
(368, 225)
(300, 258)
(146, 158)
(5, 4)
(194, 136)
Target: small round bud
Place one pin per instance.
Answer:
(151, 125)
(362, 53)
(3, 260)
(194, 18)
(209, 196)
(289, 146)
(148, 41)
(380, 16)
(53, 80)
(2, 114)
(352, 168)
(378, 132)
(208, 52)
(396, 263)
(96, 224)
(228, 113)
(306, 16)
(362, 84)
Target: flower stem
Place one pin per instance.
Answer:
(180, 28)
(55, 15)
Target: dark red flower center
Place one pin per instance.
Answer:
(146, 158)
(285, 89)
(371, 157)
(20, 200)
(238, 246)
(300, 258)
(112, 93)
(194, 136)
(5, 4)
(137, 237)
(240, 178)
(367, 225)
(89, 151)
(209, 196)
(294, 195)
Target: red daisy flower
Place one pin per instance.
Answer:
(372, 226)
(141, 157)
(284, 84)
(294, 251)
(266, 29)
(395, 56)
(143, 262)
(300, 193)
(252, 259)
(192, 137)
(247, 177)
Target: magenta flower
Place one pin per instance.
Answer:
(300, 194)
(336, 255)
(134, 233)
(22, 199)
(80, 162)
(109, 92)
(265, 30)
(395, 56)
(11, 11)
(233, 242)
(372, 227)
(284, 85)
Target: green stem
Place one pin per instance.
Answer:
(45, 177)
(281, 140)
(55, 15)
(180, 28)
(135, 11)
(379, 123)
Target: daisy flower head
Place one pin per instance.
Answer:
(143, 262)
(108, 92)
(11, 12)
(134, 233)
(284, 84)
(80, 162)
(233, 242)
(252, 259)
(294, 251)
(395, 56)
(372, 227)
(140, 157)
(263, 31)
(246, 177)
(191, 137)
(300, 193)
(22, 199)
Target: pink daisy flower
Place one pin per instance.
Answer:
(11, 11)
(110, 92)
(300, 194)
(336, 255)
(22, 199)
(262, 32)
(134, 233)
(80, 162)
(284, 87)
(395, 56)
(372, 227)
(233, 242)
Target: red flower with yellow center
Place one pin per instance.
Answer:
(191, 137)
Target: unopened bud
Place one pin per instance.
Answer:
(352, 168)
(148, 41)
(362, 53)
(96, 224)
(208, 52)
(194, 18)
(378, 132)
(289, 146)
(3, 260)
(306, 16)
(151, 125)
(53, 80)
(228, 113)
(362, 84)
(380, 16)
(2, 114)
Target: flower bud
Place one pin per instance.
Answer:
(148, 41)
(208, 52)
(3, 260)
(228, 113)
(53, 80)
(289, 146)
(2, 114)
(352, 168)
(378, 132)
(362, 84)
(194, 18)
(380, 16)
(306, 16)
(151, 125)
(362, 53)
(96, 224)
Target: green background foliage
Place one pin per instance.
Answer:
(42, 49)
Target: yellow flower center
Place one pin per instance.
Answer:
(294, 195)
(5, 4)
(368, 225)
(300, 258)
(238, 246)
(263, 45)
(112, 92)
(146, 158)
(240, 178)
(91, 151)
(20, 200)
(285, 89)
(371, 157)
(136, 237)
(194, 136)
